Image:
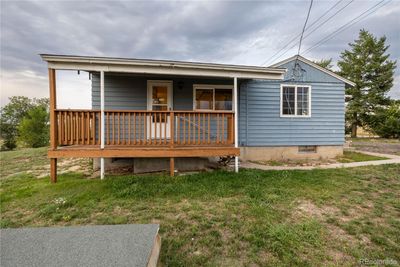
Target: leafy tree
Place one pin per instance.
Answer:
(34, 127)
(12, 115)
(325, 63)
(366, 64)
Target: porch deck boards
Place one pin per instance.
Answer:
(115, 151)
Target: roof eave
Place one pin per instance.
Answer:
(57, 59)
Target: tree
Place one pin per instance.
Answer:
(369, 67)
(325, 63)
(11, 115)
(34, 127)
(386, 122)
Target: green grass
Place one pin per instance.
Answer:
(350, 156)
(22, 160)
(264, 218)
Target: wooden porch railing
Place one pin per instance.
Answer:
(78, 127)
(150, 128)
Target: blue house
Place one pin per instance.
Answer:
(155, 114)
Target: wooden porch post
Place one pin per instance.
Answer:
(172, 167)
(235, 99)
(53, 123)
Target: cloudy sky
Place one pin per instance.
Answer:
(211, 31)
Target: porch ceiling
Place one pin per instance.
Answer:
(161, 67)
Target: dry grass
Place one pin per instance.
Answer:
(254, 218)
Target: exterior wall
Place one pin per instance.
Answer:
(127, 92)
(260, 121)
(124, 92)
(282, 153)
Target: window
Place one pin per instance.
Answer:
(295, 101)
(212, 97)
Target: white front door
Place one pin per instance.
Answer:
(159, 97)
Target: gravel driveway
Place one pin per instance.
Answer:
(386, 146)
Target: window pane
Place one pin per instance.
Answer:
(204, 99)
(160, 94)
(302, 101)
(223, 99)
(288, 100)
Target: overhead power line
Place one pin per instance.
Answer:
(297, 36)
(304, 27)
(347, 25)
(308, 34)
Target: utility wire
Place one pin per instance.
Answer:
(307, 28)
(304, 27)
(347, 25)
(316, 28)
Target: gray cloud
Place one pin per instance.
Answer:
(231, 32)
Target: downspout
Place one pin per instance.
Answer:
(102, 121)
(247, 114)
(235, 90)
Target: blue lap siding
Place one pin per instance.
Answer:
(260, 121)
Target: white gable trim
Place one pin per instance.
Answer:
(309, 62)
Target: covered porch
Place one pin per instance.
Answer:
(147, 108)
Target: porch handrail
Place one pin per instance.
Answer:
(153, 111)
(145, 127)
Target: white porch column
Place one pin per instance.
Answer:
(235, 103)
(102, 121)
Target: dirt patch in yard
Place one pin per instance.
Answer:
(322, 214)
(311, 210)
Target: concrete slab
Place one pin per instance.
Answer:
(107, 245)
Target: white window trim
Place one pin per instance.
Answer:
(295, 115)
(210, 87)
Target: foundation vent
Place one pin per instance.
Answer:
(307, 149)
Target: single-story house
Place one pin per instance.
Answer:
(175, 114)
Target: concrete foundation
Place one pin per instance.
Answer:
(145, 165)
(288, 153)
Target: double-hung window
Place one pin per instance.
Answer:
(295, 101)
(212, 97)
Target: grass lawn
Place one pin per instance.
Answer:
(351, 156)
(258, 218)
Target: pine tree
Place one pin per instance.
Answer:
(366, 64)
(325, 63)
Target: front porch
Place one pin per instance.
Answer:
(144, 134)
